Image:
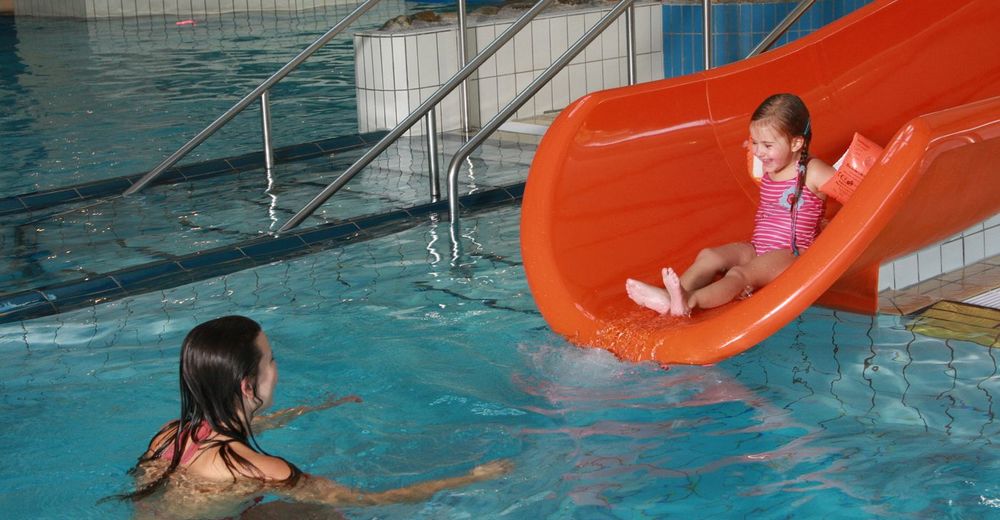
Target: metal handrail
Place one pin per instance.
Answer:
(414, 116)
(782, 27)
(259, 92)
(463, 153)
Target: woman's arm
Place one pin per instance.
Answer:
(282, 417)
(324, 491)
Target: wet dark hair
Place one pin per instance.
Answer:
(216, 357)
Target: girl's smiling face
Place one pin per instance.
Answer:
(776, 151)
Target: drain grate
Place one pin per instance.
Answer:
(959, 320)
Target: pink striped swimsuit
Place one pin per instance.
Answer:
(773, 223)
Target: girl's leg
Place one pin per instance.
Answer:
(711, 262)
(756, 273)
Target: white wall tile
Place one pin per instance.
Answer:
(657, 58)
(506, 85)
(558, 41)
(929, 263)
(488, 98)
(992, 240)
(974, 246)
(560, 90)
(992, 221)
(543, 99)
(427, 53)
(540, 44)
(885, 277)
(412, 63)
(595, 76)
(447, 55)
(389, 108)
(656, 28)
(612, 39)
(505, 60)
(593, 52)
(400, 73)
(577, 81)
(973, 229)
(360, 46)
(905, 271)
(522, 50)
(485, 36)
(521, 81)
(385, 58)
(575, 27)
(952, 256)
(613, 76)
(643, 67)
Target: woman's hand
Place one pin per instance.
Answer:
(492, 469)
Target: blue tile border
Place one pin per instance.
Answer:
(165, 274)
(116, 185)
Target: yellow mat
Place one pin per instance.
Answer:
(956, 320)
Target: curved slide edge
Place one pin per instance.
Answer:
(629, 180)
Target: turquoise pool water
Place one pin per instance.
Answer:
(838, 415)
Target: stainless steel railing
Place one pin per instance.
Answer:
(493, 124)
(415, 116)
(261, 92)
(782, 26)
(426, 107)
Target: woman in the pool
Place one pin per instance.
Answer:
(787, 220)
(208, 463)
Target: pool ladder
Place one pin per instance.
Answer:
(425, 110)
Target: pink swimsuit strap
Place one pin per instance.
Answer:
(192, 446)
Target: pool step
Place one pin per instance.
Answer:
(164, 274)
(959, 320)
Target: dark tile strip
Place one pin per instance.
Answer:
(106, 187)
(165, 274)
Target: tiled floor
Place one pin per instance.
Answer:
(957, 286)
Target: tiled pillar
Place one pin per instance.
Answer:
(384, 101)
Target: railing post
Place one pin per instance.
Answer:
(630, 43)
(464, 90)
(265, 123)
(432, 155)
(706, 27)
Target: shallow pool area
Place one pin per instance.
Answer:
(837, 415)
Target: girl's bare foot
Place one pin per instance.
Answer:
(648, 296)
(678, 307)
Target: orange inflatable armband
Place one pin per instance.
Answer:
(851, 168)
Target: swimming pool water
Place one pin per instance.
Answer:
(87, 100)
(836, 416)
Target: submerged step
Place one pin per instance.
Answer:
(164, 274)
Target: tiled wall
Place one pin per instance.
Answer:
(396, 71)
(968, 247)
(96, 9)
(737, 27)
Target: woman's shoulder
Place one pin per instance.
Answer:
(269, 466)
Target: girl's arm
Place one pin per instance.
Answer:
(817, 173)
(324, 491)
(282, 417)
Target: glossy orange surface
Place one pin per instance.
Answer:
(629, 180)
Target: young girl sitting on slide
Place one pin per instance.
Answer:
(780, 134)
(207, 463)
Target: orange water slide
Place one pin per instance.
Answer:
(629, 180)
